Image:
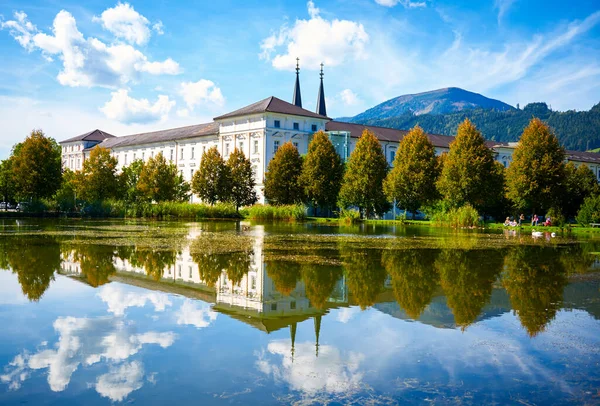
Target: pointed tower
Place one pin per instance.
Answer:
(321, 109)
(293, 336)
(297, 96)
(317, 320)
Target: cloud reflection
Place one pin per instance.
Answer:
(191, 314)
(118, 299)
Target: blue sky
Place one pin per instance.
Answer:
(128, 67)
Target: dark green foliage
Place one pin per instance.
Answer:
(579, 183)
(589, 211)
(575, 130)
(362, 185)
(7, 183)
(210, 181)
(322, 172)
(129, 180)
(282, 184)
(241, 180)
(65, 197)
(411, 183)
(98, 179)
(535, 178)
(160, 181)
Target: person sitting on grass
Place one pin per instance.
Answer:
(534, 220)
(548, 222)
(507, 222)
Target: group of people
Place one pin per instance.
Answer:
(534, 221)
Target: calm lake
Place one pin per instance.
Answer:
(104, 312)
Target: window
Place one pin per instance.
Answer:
(203, 150)
(143, 155)
(191, 174)
(171, 155)
(277, 124)
(192, 153)
(392, 155)
(152, 154)
(293, 305)
(296, 126)
(313, 128)
(254, 169)
(275, 146)
(181, 154)
(125, 159)
(295, 145)
(241, 146)
(253, 282)
(256, 146)
(190, 269)
(178, 270)
(227, 149)
(78, 163)
(273, 306)
(134, 156)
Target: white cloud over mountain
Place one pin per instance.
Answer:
(316, 40)
(89, 62)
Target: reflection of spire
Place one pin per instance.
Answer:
(297, 96)
(317, 320)
(321, 109)
(293, 335)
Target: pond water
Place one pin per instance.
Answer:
(238, 313)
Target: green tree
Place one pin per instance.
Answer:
(319, 282)
(36, 166)
(589, 211)
(322, 172)
(129, 180)
(66, 196)
(366, 169)
(579, 183)
(241, 180)
(469, 169)
(364, 274)
(211, 180)
(159, 180)
(7, 183)
(411, 182)
(535, 178)
(282, 184)
(284, 274)
(98, 179)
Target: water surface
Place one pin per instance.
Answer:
(98, 312)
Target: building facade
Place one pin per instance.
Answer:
(258, 130)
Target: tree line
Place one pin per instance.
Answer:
(537, 181)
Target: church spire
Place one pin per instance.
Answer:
(297, 96)
(321, 109)
(293, 336)
(317, 320)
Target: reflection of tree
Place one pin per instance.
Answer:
(34, 260)
(365, 275)
(578, 258)
(210, 267)
(534, 280)
(96, 262)
(285, 275)
(319, 281)
(238, 265)
(467, 278)
(414, 278)
(154, 261)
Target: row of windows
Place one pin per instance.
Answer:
(295, 126)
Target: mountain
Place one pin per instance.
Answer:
(576, 130)
(441, 101)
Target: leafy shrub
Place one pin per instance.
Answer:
(556, 216)
(291, 212)
(163, 210)
(465, 216)
(589, 211)
(349, 216)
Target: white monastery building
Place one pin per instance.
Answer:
(259, 129)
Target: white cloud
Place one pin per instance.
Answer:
(191, 314)
(183, 113)
(86, 62)
(348, 97)
(158, 27)
(121, 381)
(332, 371)
(201, 92)
(405, 3)
(502, 6)
(119, 300)
(125, 23)
(83, 341)
(316, 40)
(126, 109)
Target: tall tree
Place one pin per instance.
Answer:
(322, 172)
(66, 196)
(411, 183)
(535, 178)
(282, 185)
(366, 169)
(469, 169)
(580, 183)
(7, 183)
(129, 180)
(159, 180)
(36, 166)
(98, 178)
(210, 182)
(241, 180)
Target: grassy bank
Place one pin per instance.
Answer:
(266, 212)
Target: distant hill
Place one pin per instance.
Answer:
(576, 130)
(441, 101)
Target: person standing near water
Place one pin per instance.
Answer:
(521, 218)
